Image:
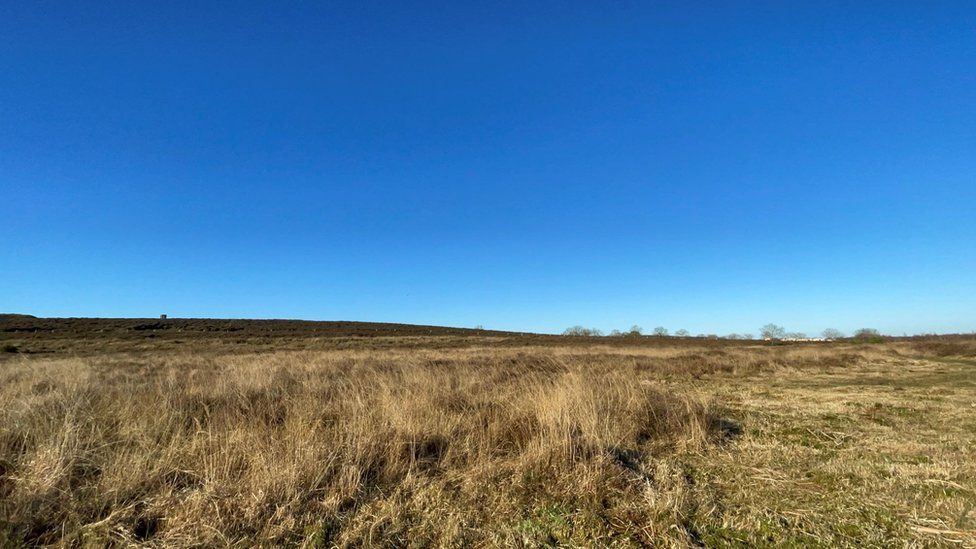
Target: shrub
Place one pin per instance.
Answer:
(868, 335)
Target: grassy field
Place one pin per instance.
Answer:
(269, 434)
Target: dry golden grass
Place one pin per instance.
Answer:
(485, 445)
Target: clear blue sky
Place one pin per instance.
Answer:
(528, 166)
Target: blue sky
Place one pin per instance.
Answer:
(708, 166)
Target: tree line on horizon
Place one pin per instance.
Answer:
(767, 332)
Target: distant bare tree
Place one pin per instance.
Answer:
(733, 336)
(772, 331)
(831, 333)
(796, 335)
(636, 330)
(660, 331)
(581, 331)
(682, 333)
(747, 336)
(616, 333)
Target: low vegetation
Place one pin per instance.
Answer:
(489, 440)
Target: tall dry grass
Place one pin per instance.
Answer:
(425, 442)
(318, 448)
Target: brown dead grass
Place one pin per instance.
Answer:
(481, 445)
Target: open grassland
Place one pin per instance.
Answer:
(470, 439)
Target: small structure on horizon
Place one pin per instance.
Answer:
(162, 317)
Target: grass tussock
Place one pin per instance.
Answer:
(321, 448)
